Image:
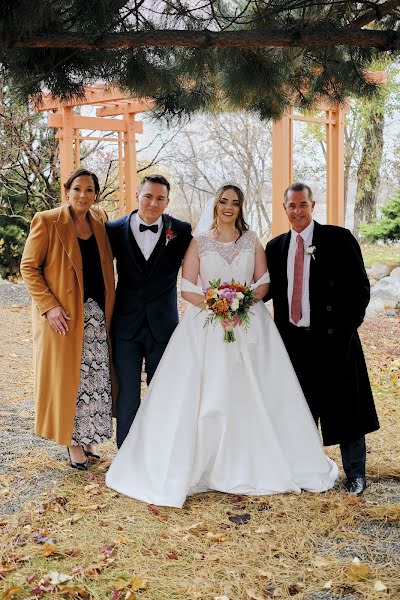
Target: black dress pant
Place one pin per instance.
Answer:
(301, 347)
(128, 360)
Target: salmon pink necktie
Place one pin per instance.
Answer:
(295, 309)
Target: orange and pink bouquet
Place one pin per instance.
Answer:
(228, 303)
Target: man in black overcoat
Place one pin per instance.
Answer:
(320, 291)
(149, 246)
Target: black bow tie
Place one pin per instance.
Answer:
(153, 228)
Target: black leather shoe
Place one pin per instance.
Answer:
(355, 485)
(75, 465)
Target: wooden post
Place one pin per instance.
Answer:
(282, 169)
(335, 166)
(121, 181)
(130, 161)
(66, 148)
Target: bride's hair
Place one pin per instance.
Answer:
(240, 223)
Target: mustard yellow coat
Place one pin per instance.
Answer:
(51, 267)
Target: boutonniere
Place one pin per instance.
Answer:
(169, 233)
(310, 251)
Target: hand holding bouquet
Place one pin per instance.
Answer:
(228, 303)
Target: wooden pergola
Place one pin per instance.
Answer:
(282, 162)
(111, 102)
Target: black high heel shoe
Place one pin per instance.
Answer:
(89, 454)
(75, 465)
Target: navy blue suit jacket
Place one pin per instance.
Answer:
(146, 290)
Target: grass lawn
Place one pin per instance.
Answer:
(385, 253)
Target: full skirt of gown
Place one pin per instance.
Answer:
(222, 416)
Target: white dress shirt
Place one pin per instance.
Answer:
(146, 240)
(307, 235)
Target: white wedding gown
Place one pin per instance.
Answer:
(222, 416)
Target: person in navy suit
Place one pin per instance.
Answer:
(318, 307)
(149, 246)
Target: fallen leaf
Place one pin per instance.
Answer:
(137, 583)
(294, 588)
(253, 595)
(236, 499)
(216, 537)
(358, 571)
(11, 592)
(49, 550)
(55, 578)
(156, 512)
(108, 550)
(6, 568)
(39, 538)
(264, 574)
(120, 584)
(74, 591)
(42, 588)
(70, 520)
(271, 591)
(240, 519)
(379, 586)
(320, 561)
(120, 539)
(194, 529)
(91, 486)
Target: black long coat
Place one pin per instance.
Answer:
(334, 369)
(147, 289)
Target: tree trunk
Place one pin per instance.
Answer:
(368, 177)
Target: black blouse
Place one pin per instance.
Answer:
(93, 281)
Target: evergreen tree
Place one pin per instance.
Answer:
(387, 228)
(189, 55)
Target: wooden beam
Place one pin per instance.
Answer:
(89, 123)
(94, 95)
(136, 106)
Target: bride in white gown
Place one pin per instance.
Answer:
(222, 416)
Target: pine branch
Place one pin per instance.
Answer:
(292, 38)
(378, 12)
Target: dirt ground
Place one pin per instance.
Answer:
(303, 547)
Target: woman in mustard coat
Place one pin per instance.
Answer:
(67, 266)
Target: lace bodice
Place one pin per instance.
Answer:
(226, 260)
(207, 243)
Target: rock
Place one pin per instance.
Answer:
(376, 307)
(385, 295)
(395, 272)
(378, 271)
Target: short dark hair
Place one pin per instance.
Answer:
(84, 173)
(298, 187)
(155, 178)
